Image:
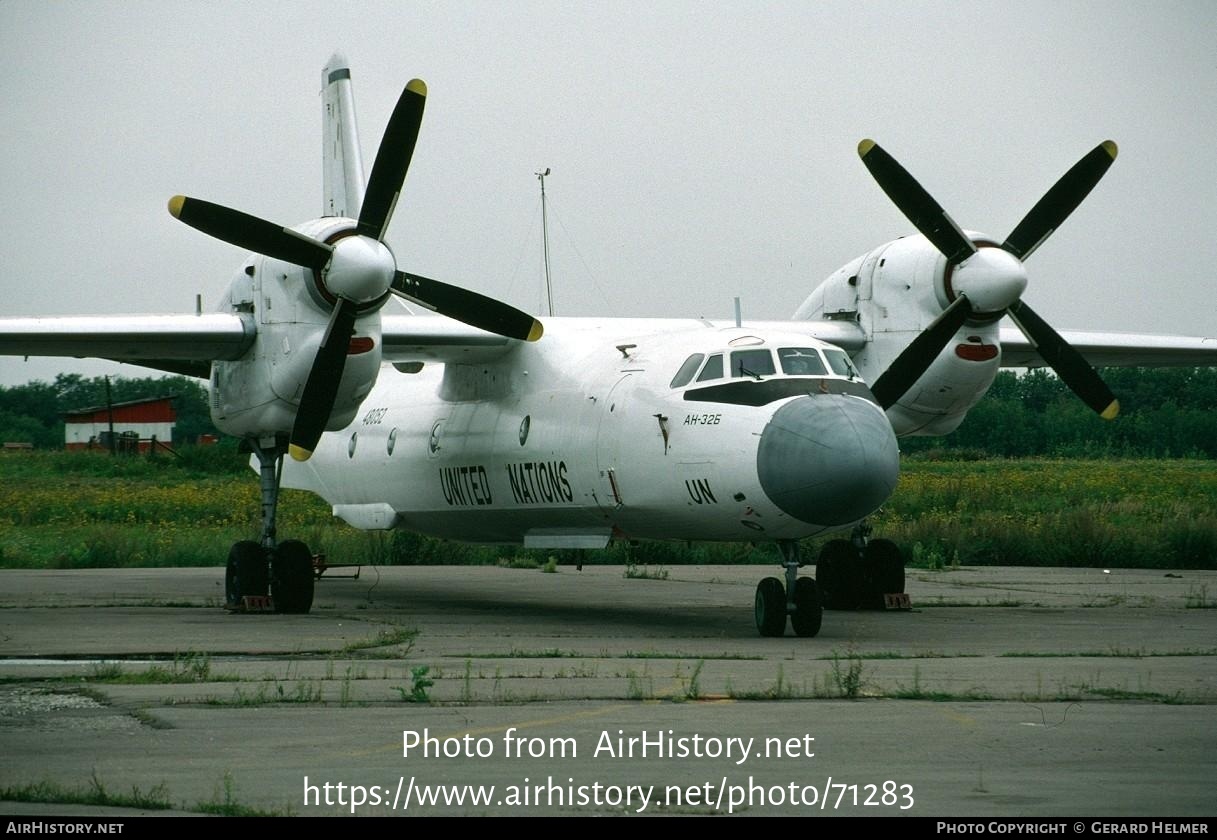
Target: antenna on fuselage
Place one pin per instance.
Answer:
(549, 291)
(739, 321)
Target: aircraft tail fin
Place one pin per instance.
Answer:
(341, 160)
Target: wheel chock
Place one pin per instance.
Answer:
(253, 604)
(897, 601)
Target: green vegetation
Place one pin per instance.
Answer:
(303, 691)
(692, 688)
(388, 637)
(184, 668)
(419, 683)
(847, 675)
(224, 803)
(156, 799)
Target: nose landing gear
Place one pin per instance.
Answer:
(799, 598)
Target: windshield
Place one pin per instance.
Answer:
(713, 368)
(687, 370)
(801, 361)
(752, 363)
(841, 365)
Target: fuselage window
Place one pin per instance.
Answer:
(752, 363)
(687, 370)
(841, 365)
(801, 361)
(713, 368)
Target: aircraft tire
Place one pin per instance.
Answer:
(292, 577)
(808, 611)
(839, 575)
(246, 573)
(771, 607)
(884, 566)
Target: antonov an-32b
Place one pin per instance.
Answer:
(482, 423)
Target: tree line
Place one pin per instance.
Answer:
(1165, 413)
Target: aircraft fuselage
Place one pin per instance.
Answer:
(583, 436)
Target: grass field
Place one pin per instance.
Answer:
(74, 510)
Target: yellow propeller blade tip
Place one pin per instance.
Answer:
(299, 453)
(175, 205)
(536, 332)
(417, 86)
(865, 146)
(1110, 147)
(1111, 411)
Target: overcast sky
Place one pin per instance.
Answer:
(699, 150)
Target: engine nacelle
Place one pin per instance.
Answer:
(893, 293)
(259, 394)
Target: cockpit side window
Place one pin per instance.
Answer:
(752, 363)
(841, 365)
(713, 368)
(801, 361)
(687, 370)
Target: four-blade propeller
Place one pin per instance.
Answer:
(357, 269)
(989, 282)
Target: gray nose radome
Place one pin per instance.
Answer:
(830, 459)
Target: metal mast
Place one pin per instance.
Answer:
(549, 292)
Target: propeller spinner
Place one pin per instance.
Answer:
(989, 282)
(357, 269)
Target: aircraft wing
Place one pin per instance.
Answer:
(188, 344)
(434, 338)
(174, 343)
(1111, 349)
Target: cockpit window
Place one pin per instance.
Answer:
(801, 361)
(840, 364)
(713, 368)
(687, 370)
(752, 363)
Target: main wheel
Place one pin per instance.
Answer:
(838, 573)
(808, 612)
(292, 577)
(885, 571)
(771, 607)
(246, 573)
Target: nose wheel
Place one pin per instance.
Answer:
(798, 599)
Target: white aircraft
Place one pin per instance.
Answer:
(480, 423)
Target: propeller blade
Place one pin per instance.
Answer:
(908, 367)
(321, 389)
(1068, 363)
(250, 232)
(919, 206)
(1064, 197)
(392, 161)
(468, 307)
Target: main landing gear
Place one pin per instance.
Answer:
(799, 598)
(281, 570)
(853, 574)
(857, 573)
